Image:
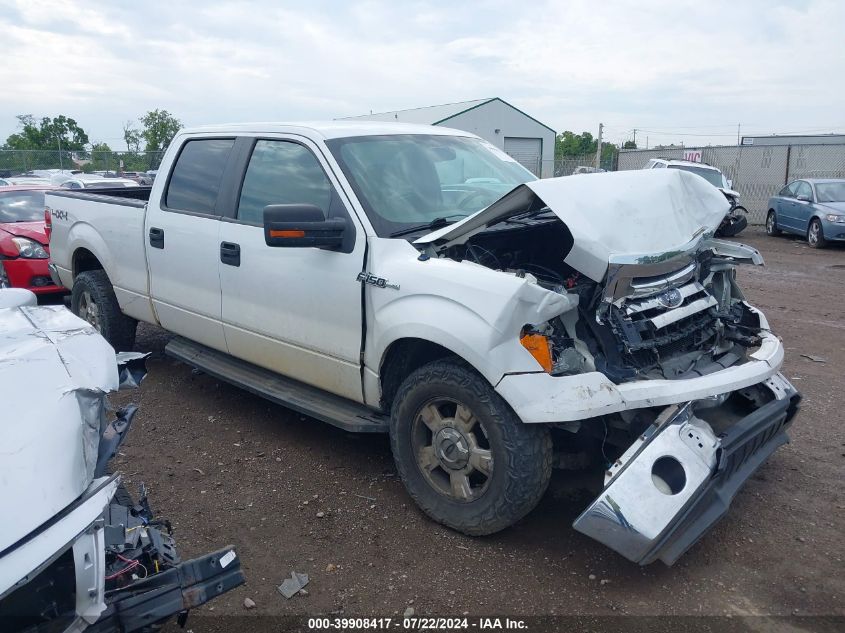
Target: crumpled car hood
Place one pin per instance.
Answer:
(31, 230)
(629, 213)
(53, 366)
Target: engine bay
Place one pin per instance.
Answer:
(675, 325)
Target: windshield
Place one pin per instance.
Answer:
(713, 176)
(409, 180)
(830, 191)
(21, 206)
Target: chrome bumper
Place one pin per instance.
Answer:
(54, 273)
(678, 478)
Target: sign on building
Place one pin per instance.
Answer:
(692, 155)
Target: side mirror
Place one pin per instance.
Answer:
(730, 183)
(803, 198)
(301, 225)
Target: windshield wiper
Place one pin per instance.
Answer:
(436, 223)
(527, 215)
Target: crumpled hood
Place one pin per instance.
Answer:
(32, 230)
(628, 213)
(53, 368)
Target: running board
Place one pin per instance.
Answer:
(337, 411)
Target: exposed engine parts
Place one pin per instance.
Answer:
(686, 321)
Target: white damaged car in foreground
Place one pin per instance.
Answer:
(418, 281)
(76, 552)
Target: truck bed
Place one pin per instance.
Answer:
(103, 228)
(130, 196)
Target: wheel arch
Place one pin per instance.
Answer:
(89, 250)
(401, 358)
(84, 260)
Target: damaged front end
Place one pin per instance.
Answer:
(79, 553)
(674, 315)
(658, 366)
(680, 475)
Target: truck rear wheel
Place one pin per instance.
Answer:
(93, 300)
(464, 456)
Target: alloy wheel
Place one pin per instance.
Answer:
(813, 235)
(452, 450)
(88, 310)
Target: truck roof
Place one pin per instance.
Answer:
(328, 129)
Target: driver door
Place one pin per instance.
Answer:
(294, 310)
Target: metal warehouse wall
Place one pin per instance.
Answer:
(758, 172)
(486, 119)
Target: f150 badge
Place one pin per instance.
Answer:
(378, 282)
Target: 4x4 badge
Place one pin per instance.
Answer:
(378, 282)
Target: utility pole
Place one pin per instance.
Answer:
(598, 148)
(635, 137)
(738, 127)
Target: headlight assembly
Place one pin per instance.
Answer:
(30, 249)
(839, 219)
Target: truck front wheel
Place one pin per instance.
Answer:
(464, 456)
(93, 300)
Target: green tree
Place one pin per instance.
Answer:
(132, 137)
(629, 145)
(568, 144)
(48, 134)
(159, 129)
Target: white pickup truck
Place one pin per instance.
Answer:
(418, 281)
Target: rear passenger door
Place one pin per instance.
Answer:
(182, 241)
(786, 207)
(295, 311)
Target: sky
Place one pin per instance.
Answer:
(686, 71)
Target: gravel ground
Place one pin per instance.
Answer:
(294, 494)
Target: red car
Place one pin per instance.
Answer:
(24, 250)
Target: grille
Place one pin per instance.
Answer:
(649, 331)
(742, 453)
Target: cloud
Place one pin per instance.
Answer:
(670, 67)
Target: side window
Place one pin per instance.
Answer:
(785, 192)
(793, 189)
(196, 177)
(804, 190)
(659, 165)
(282, 172)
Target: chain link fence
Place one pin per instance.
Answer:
(757, 172)
(14, 162)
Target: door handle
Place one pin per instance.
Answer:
(156, 237)
(230, 253)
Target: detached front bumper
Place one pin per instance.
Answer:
(539, 398)
(678, 478)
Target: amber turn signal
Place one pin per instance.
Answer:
(540, 349)
(288, 233)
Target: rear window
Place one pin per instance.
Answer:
(21, 206)
(196, 177)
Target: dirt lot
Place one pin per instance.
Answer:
(227, 467)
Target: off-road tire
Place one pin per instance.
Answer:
(772, 224)
(820, 241)
(117, 328)
(522, 453)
